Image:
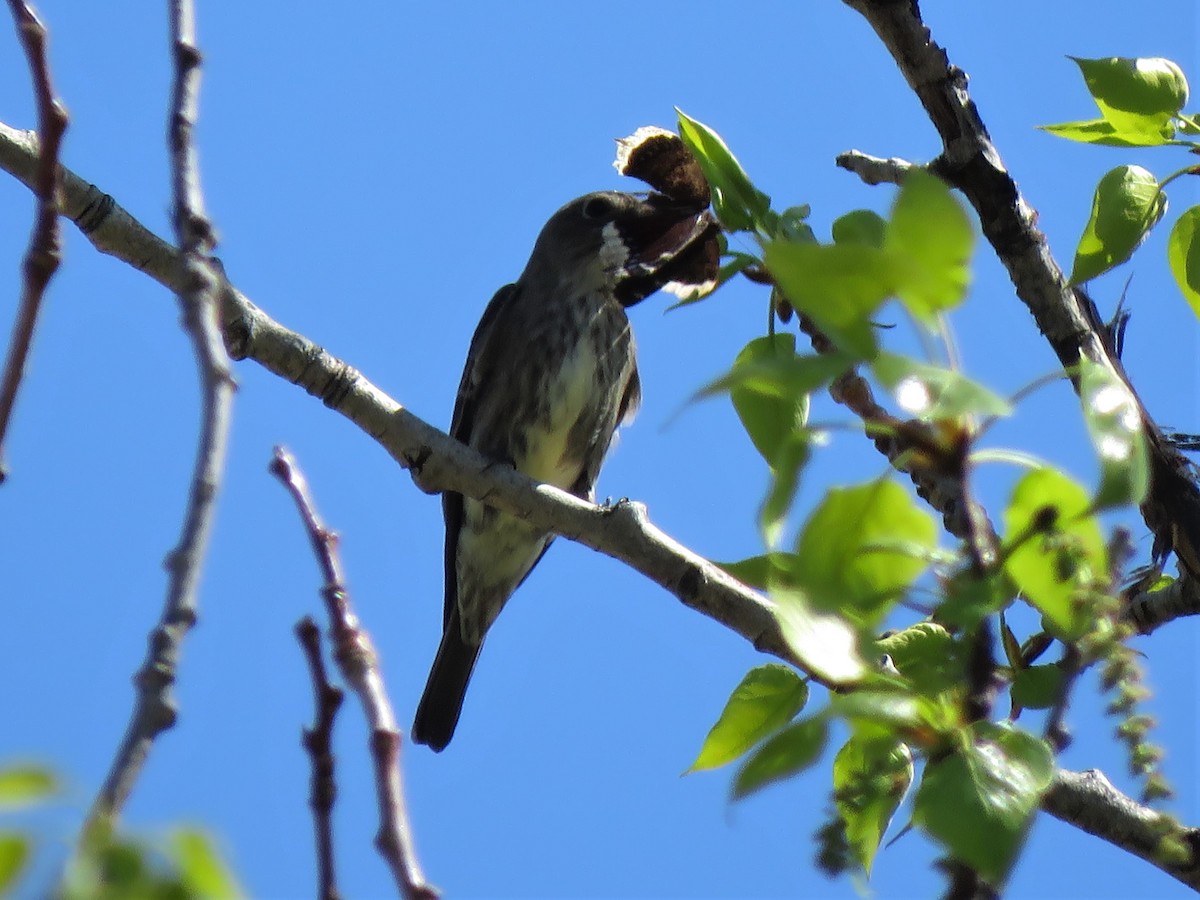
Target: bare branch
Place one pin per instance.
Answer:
(1064, 314)
(1088, 801)
(197, 283)
(873, 170)
(318, 742)
(359, 665)
(45, 244)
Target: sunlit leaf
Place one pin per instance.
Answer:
(931, 232)
(978, 802)
(838, 286)
(201, 870)
(737, 202)
(789, 460)
(1136, 95)
(1064, 551)
(788, 753)
(1183, 252)
(1101, 131)
(927, 655)
(870, 779)
(825, 643)
(862, 226)
(759, 571)
(763, 389)
(1115, 425)
(23, 785)
(846, 557)
(931, 392)
(14, 854)
(1127, 204)
(768, 698)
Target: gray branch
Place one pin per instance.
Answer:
(1088, 801)
(197, 283)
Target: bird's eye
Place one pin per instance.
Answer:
(597, 208)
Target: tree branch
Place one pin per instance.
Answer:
(318, 743)
(436, 461)
(359, 665)
(1088, 801)
(45, 243)
(1064, 314)
(196, 281)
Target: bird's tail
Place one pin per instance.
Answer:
(441, 704)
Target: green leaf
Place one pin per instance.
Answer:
(838, 286)
(768, 698)
(1136, 95)
(825, 643)
(789, 460)
(1115, 425)
(932, 393)
(201, 870)
(862, 226)
(1183, 252)
(759, 571)
(980, 801)
(846, 559)
(762, 387)
(927, 655)
(970, 598)
(1127, 204)
(791, 225)
(870, 779)
(737, 202)
(930, 231)
(1063, 555)
(21, 786)
(789, 752)
(14, 854)
(1037, 687)
(879, 713)
(1101, 131)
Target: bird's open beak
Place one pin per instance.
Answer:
(667, 243)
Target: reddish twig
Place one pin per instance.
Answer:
(318, 742)
(45, 243)
(199, 292)
(359, 665)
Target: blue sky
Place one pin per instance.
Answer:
(375, 178)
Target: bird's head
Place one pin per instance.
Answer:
(631, 244)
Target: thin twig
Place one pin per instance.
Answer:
(359, 664)
(318, 742)
(873, 170)
(45, 243)
(198, 285)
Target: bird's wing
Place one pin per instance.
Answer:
(631, 398)
(479, 359)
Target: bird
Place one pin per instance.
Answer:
(550, 375)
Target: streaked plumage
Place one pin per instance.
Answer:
(550, 375)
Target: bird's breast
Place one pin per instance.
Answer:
(570, 398)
